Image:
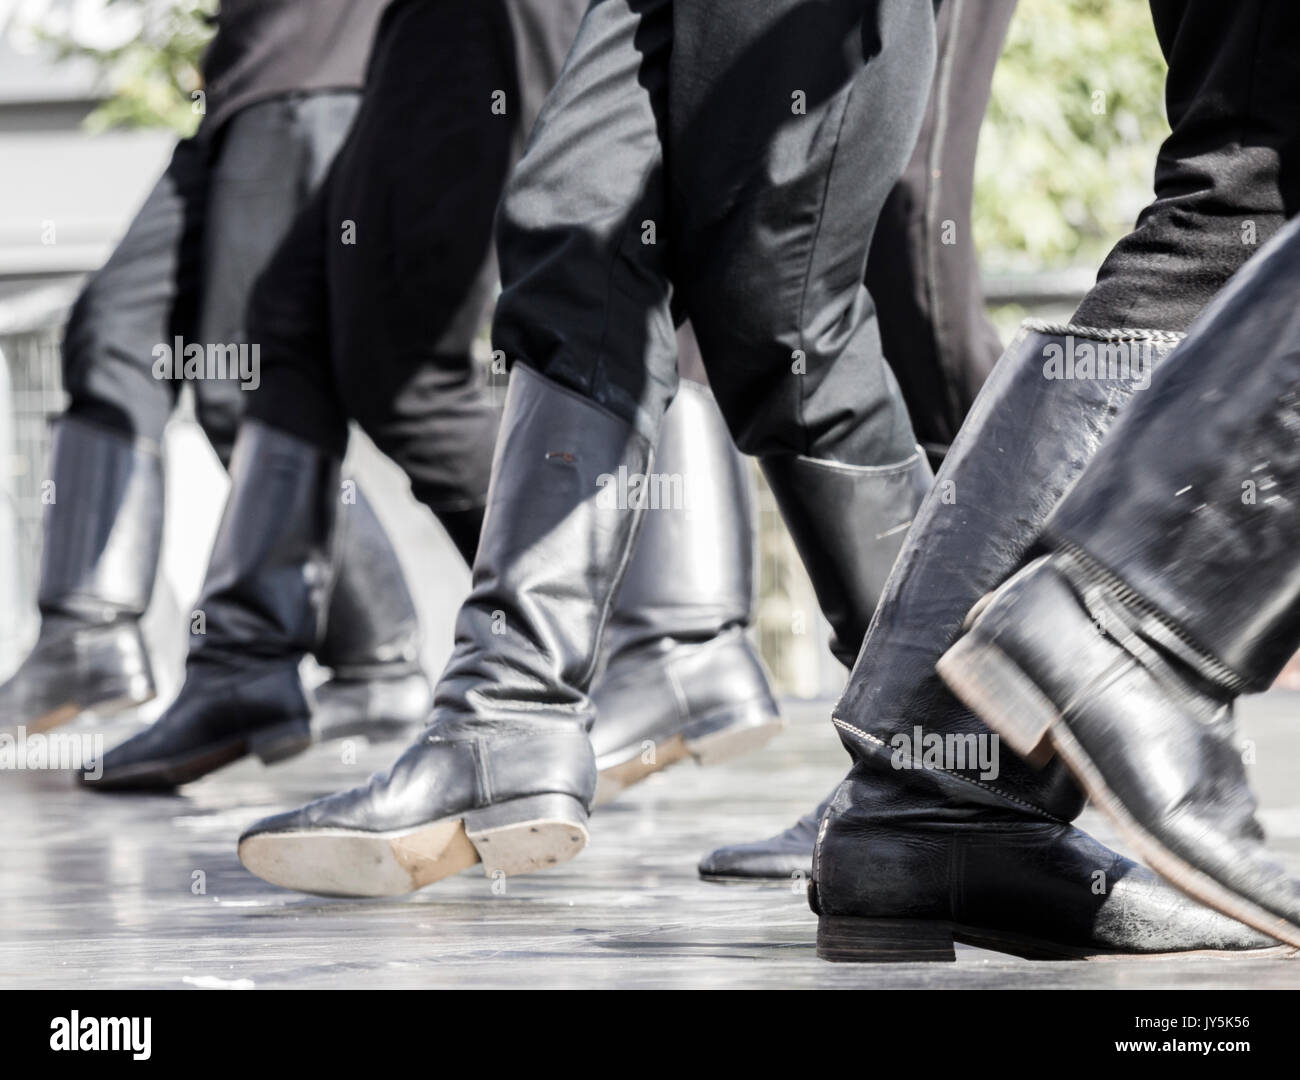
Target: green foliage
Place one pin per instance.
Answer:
(1068, 148)
(150, 78)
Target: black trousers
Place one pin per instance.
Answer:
(188, 260)
(380, 329)
(370, 307)
(726, 165)
(923, 269)
(1228, 175)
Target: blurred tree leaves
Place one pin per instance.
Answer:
(149, 76)
(1068, 148)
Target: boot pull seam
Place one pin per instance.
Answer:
(1087, 571)
(1116, 333)
(826, 464)
(877, 741)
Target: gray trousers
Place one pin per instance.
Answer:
(188, 261)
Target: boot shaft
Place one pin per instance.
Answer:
(270, 572)
(692, 573)
(371, 626)
(557, 538)
(103, 524)
(848, 523)
(1190, 514)
(1040, 418)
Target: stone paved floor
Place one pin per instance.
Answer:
(100, 892)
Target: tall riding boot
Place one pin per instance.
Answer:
(1174, 586)
(683, 678)
(939, 833)
(262, 609)
(103, 534)
(504, 773)
(848, 523)
(377, 687)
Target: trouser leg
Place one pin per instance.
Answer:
(371, 630)
(788, 332)
(269, 158)
(407, 300)
(923, 270)
(1226, 178)
(146, 294)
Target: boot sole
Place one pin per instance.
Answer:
(763, 881)
(521, 836)
(270, 746)
(845, 939)
(710, 740)
(991, 684)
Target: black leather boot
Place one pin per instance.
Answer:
(377, 687)
(902, 871)
(504, 773)
(848, 524)
(262, 609)
(782, 858)
(933, 796)
(683, 679)
(103, 533)
(1174, 586)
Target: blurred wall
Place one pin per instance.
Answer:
(65, 198)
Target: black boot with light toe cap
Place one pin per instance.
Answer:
(504, 773)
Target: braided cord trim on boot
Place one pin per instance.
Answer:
(1119, 333)
(877, 747)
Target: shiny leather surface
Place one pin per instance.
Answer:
(1026, 441)
(848, 523)
(103, 531)
(511, 714)
(103, 534)
(269, 573)
(692, 572)
(656, 692)
(781, 857)
(77, 663)
(889, 852)
(262, 602)
(676, 640)
(371, 627)
(1194, 501)
(437, 777)
(220, 703)
(375, 707)
(1164, 741)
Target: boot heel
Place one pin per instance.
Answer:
(731, 733)
(525, 835)
(846, 940)
(281, 741)
(990, 684)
